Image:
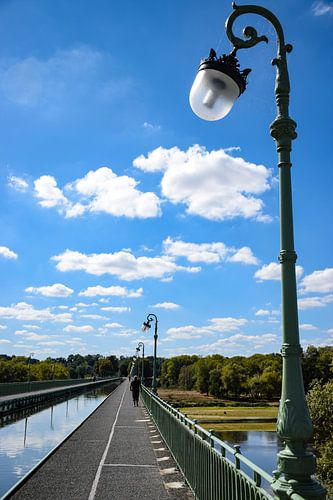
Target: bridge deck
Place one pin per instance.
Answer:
(116, 454)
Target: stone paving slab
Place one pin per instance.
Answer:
(111, 456)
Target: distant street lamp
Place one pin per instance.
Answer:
(141, 344)
(146, 326)
(29, 375)
(218, 83)
(137, 350)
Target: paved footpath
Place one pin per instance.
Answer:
(116, 454)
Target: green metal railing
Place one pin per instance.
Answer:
(213, 469)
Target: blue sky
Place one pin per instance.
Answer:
(117, 201)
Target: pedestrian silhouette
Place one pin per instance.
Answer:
(135, 388)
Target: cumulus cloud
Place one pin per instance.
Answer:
(239, 342)
(101, 191)
(116, 309)
(312, 302)
(322, 8)
(307, 326)
(5, 341)
(115, 291)
(318, 282)
(215, 325)
(112, 325)
(18, 183)
(272, 271)
(166, 305)
(93, 316)
(83, 328)
(244, 255)
(7, 253)
(262, 312)
(56, 290)
(213, 185)
(122, 264)
(31, 335)
(209, 253)
(26, 312)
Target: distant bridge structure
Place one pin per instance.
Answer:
(153, 452)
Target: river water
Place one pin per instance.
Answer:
(25, 442)
(259, 447)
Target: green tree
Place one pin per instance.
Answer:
(186, 377)
(320, 403)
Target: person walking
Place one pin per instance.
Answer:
(135, 388)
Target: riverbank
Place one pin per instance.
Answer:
(223, 415)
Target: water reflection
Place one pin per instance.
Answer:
(23, 443)
(260, 447)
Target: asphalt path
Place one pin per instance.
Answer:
(116, 454)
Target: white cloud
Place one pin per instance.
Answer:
(73, 328)
(52, 343)
(262, 312)
(122, 264)
(107, 192)
(318, 281)
(244, 255)
(307, 326)
(322, 8)
(31, 327)
(26, 312)
(31, 335)
(3, 327)
(215, 325)
(166, 305)
(226, 324)
(85, 304)
(213, 184)
(101, 190)
(112, 325)
(56, 290)
(209, 253)
(272, 271)
(18, 183)
(151, 127)
(239, 343)
(7, 253)
(115, 291)
(93, 316)
(312, 302)
(5, 341)
(116, 309)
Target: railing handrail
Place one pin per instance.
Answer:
(202, 434)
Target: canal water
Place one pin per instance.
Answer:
(259, 447)
(25, 442)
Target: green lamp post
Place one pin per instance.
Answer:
(218, 83)
(137, 350)
(146, 326)
(141, 344)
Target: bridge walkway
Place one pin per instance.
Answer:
(117, 453)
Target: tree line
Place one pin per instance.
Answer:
(255, 377)
(23, 368)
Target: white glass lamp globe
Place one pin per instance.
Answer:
(213, 94)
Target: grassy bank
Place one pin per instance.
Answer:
(221, 414)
